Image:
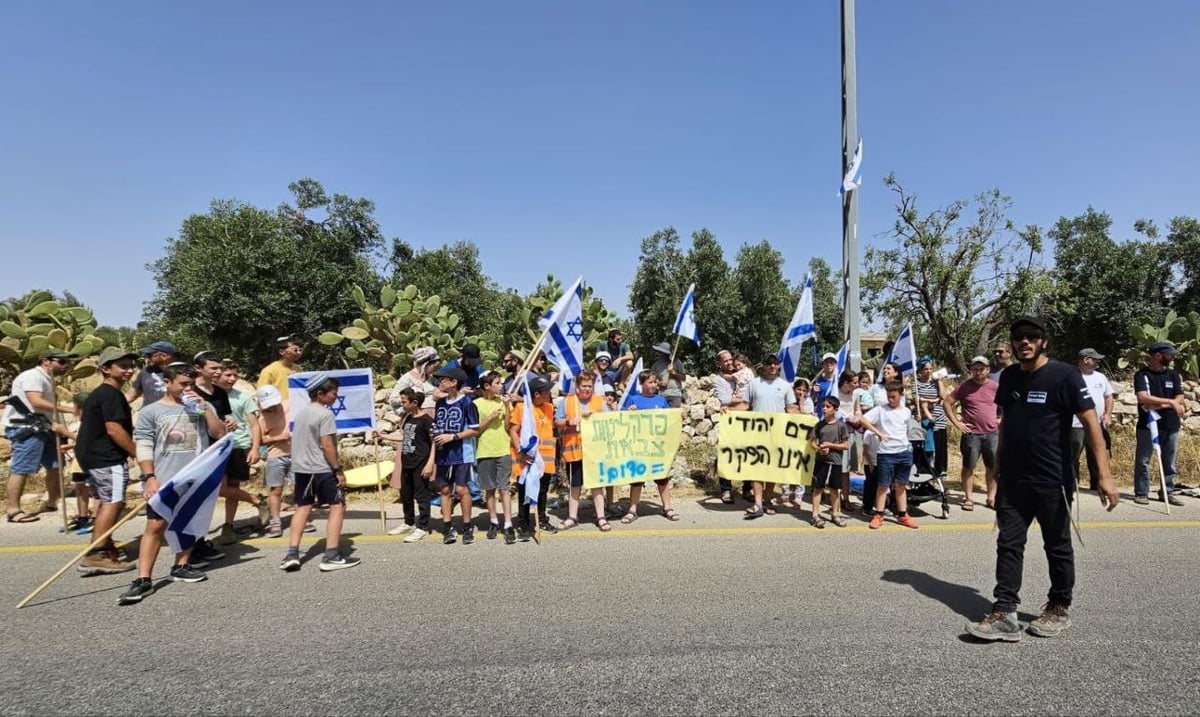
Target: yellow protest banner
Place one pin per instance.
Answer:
(767, 447)
(630, 446)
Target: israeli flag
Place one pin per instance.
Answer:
(354, 409)
(563, 325)
(633, 379)
(904, 353)
(1152, 422)
(854, 172)
(186, 501)
(685, 321)
(531, 473)
(800, 329)
(842, 357)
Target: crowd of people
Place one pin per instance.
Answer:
(458, 443)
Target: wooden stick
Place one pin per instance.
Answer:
(379, 485)
(95, 543)
(537, 347)
(671, 362)
(62, 469)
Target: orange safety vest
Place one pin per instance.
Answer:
(572, 441)
(543, 421)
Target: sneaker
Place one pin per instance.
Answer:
(264, 511)
(493, 531)
(401, 529)
(274, 530)
(340, 562)
(187, 574)
(198, 564)
(204, 550)
(107, 562)
(86, 527)
(997, 626)
(1053, 620)
(525, 534)
(468, 535)
(1141, 500)
(140, 588)
(416, 535)
(449, 536)
(291, 563)
(908, 522)
(510, 536)
(1174, 500)
(546, 527)
(227, 536)
(75, 524)
(876, 521)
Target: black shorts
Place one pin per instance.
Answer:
(826, 475)
(314, 488)
(574, 473)
(237, 470)
(459, 474)
(79, 478)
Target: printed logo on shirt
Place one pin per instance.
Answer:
(1169, 384)
(1036, 397)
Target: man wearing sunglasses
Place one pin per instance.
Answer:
(1034, 479)
(34, 449)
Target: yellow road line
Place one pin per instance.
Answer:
(621, 532)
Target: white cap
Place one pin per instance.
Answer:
(826, 357)
(268, 397)
(980, 359)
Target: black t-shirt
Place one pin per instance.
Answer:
(1163, 384)
(418, 441)
(219, 400)
(1035, 435)
(93, 446)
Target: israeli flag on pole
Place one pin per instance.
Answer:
(531, 473)
(186, 501)
(1152, 422)
(563, 324)
(854, 172)
(904, 353)
(800, 329)
(842, 357)
(354, 410)
(633, 379)
(685, 322)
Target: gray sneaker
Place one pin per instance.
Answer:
(997, 626)
(1173, 500)
(1053, 620)
(340, 562)
(1141, 500)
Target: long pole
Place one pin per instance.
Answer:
(62, 469)
(850, 199)
(96, 542)
(379, 485)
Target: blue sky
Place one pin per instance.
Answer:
(567, 131)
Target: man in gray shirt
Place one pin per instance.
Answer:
(671, 375)
(319, 474)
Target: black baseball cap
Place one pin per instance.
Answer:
(770, 358)
(1030, 321)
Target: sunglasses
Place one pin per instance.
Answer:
(1028, 336)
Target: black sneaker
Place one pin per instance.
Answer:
(291, 563)
(546, 527)
(340, 562)
(204, 550)
(493, 531)
(510, 536)
(524, 534)
(187, 574)
(198, 564)
(140, 588)
(451, 537)
(468, 535)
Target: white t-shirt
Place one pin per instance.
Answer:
(1098, 387)
(894, 423)
(772, 396)
(35, 380)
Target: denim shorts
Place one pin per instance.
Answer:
(894, 468)
(975, 445)
(32, 452)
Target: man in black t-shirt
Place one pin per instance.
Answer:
(103, 447)
(208, 370)
(1035, 479)
(1158, 389)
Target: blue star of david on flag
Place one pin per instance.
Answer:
(563, 324)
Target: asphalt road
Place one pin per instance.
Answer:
(711, 615)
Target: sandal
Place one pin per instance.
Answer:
(671, 515)
(839, 521)
(629, 518)
(968, 505)
(603, 525)
(991, 504)
(818, 522)
(21, 516)
(568, 524)
(754, 511)
(727, 498)
(768, 509)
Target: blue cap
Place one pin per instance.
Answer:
(924, 361)
(165, 346)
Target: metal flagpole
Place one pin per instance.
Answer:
(851, 312)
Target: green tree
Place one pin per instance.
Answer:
(1183, 251)
(766, 300)
(959, 273)
(717, 311)
(827, 306)
(238, 276)
(1102, 288)
(657, 290)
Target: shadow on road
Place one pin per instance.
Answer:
(964, 600)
